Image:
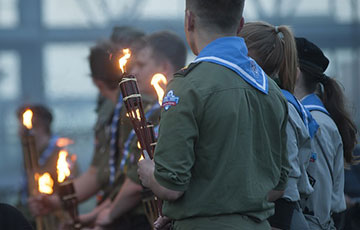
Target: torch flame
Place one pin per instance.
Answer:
(27, 118)
(62, 166)
(45, 183)
(155, 83)
(124, 59)
(141, 158)
(63, 141)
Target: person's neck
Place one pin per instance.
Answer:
(114, 96)
(204, 38)
(300, 92)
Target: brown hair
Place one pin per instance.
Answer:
(334, 102)
(169, 46)
(221, 16)
(103, 67)
(42, 115)
(274, 49)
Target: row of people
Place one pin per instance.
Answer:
(231, 143)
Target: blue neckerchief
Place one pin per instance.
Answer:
(132, 135)
(48, 151)
(113, 140)
(312, 102)
(305, 115)
(231, 52)
(42, 160)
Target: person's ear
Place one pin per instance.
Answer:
(240, 26)
(190, 20)
(298, 73)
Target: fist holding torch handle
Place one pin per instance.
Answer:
(43, 204)
(163, 223)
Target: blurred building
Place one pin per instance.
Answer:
(44, 46)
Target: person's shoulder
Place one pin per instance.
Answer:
(326, 123)
(184, 72)
(198, 69)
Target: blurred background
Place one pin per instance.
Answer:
(44, 46)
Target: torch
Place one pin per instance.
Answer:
(30, 158)
(66, 189)
(143, 129)
(45, 186)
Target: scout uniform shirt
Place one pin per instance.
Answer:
(130, 150)
(126, 164)
(103, 148)
(222, 138)
(327, 167)
(299, 147)
(101, 130)
(100, 160)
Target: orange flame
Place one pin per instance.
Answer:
(124, 59)
(141, 158)
(27, 118)
(63, 141)
(156, 79)
(45, 183)
(62, 166)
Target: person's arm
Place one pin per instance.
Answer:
(273, 195)
(338, 202)
(174, 156)
(86, 185)
(285, 149)
(128, 197)
(146, 174)
(89, 219)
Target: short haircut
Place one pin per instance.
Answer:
(222, 16)
(103, 58)
(167, 45)
(103, 64)
(41, 115)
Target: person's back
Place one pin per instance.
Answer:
(222, 140)
(234, 172)
(328, 182)
(335, 140)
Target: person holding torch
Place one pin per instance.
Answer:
(222, 137)
(159, 54)
(95, 181)
(47, 149)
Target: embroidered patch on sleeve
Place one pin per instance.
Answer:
(313, 157)
(170, 100)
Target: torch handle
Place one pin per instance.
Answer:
(30, 161)
(39, 223)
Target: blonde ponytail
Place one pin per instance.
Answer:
(274, 49)
(288, 68)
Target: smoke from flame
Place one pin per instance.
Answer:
(62, 166)
(45, 183)
(156, 79)
(27, 119)
(124, 59)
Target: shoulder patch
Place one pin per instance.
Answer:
(170, 100)
(187, 69)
